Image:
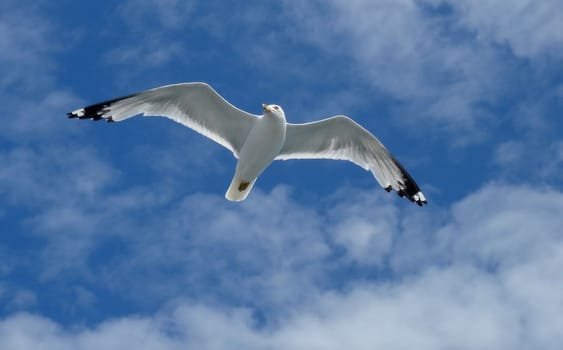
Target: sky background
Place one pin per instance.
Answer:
(118, 235)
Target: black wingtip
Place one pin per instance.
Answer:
(408, 187)
(97, 111)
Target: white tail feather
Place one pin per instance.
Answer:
(234, 193)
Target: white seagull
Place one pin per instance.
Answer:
(258, 140)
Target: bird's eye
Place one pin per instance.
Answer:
(276, 107)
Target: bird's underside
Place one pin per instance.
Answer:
(199, 107)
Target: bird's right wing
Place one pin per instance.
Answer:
(340, 137)
(195, 105)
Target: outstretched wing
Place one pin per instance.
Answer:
(340, 137)
(195, 105)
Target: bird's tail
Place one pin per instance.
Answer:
(239, 189)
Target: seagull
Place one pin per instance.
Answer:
(257, 140)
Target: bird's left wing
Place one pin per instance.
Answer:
(195, 105)
(340, 137)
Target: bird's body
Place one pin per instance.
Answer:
(258, 140)
(260, 148)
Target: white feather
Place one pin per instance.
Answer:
(195, 105)
(339, 137)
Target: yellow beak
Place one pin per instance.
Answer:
(266, 107)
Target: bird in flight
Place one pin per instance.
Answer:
(256, 141)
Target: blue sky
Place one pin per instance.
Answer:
(118, 235)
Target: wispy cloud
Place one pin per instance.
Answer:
(30, 99)
(153, 36)
(495, 288)
(531, 29)
(156, 14)
(486, 263)
(406, 52)
(24, 47)
(153, 52)
(442, 63)
(530, 149)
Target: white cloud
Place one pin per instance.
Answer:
(153, 52)
(492, 280)
(65, 195)
(532, 29)
(30, 103)
(35, 176)
(24, 47)
(509, 152)
(249, 253)
(367, 239)
(407, 53)
(164, 14)
(22, 299)
(503, 226)
(36, 117)
(441, 63)
(536, 157)
(152, 34)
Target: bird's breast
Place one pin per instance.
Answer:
(262, 145)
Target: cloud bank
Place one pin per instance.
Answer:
(482, 274)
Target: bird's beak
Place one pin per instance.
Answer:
(266, 107)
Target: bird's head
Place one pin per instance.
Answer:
(274, 110)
